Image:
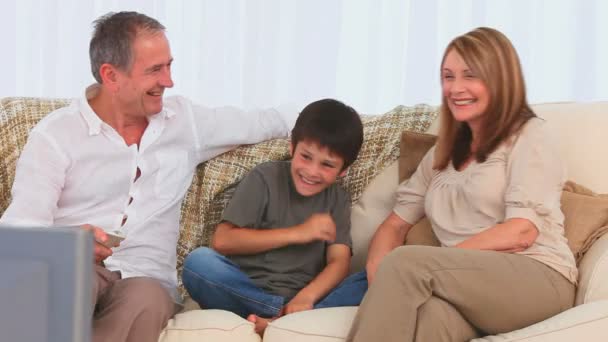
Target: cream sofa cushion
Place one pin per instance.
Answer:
(208, 325)
(580, 134)
(320, 325)
(374, 205)
(584, 323)
(593, 274)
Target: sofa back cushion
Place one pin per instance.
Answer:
(580, 137)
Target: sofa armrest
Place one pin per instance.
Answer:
(593, 273)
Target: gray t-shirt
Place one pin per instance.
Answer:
(267, 199)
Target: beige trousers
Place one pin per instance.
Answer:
(129, 310)
(437, 294)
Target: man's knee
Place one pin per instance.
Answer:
(145, 296)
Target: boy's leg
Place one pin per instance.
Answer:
(215, 282)
(349, 292)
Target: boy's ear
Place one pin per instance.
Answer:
(291, 149)
(343, 173)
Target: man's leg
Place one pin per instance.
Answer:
(349, 292)
(215, 282)
(495, 292)
(103, 279)
(132, 310)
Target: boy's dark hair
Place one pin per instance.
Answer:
(331, 124)
(113, 38)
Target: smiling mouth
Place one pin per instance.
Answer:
(155, 93)
(464, 102)
(308, 181)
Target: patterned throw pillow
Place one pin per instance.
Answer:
(215, 180)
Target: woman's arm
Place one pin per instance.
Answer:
(513, 235)
(389, 236)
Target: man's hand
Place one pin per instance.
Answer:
(298, 303)
(101, 251)
(318, 227)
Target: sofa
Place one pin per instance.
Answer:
(371, 181)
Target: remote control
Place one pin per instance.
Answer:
(114, 239)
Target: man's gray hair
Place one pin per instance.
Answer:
(113, 37)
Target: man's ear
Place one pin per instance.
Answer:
(109, 76)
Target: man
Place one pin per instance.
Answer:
(122, 159)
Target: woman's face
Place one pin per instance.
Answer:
(465, 94)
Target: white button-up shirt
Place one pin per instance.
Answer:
(76, 169)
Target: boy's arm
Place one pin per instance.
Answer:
(230, 239)
(338, 261)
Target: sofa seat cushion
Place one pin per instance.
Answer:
(208, 325)
(319, 325)
(582, 323)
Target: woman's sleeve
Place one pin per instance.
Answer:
(410, 193)
(535, 176)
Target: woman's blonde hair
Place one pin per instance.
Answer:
(493, 59)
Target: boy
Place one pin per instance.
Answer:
(286, 231)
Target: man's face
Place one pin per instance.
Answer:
(140, 90)
(314, 167)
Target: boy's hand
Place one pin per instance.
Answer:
(318, 227)
(298, 303)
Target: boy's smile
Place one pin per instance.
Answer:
(314, 168)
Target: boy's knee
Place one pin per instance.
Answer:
(202, 257)
(205, 263)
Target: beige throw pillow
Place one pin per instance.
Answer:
(414, 146)
(586, 216)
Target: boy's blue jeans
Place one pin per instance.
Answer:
(215, 282)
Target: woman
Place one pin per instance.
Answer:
(491, 189)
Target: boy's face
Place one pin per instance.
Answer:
(314, 167)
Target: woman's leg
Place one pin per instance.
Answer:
(496, 292)
(438, 320)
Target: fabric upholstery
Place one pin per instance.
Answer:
(586, 216)
(208, 325)
(593, 269)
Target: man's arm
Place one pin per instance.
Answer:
(388, 236)
(221, 129)
(230, 239)
(39, 179)
(338, 261)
